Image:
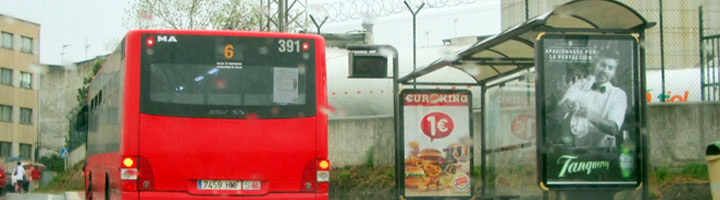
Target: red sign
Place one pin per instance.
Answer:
(523, 127)
(437, 125)
(436, 144)
(435, 99)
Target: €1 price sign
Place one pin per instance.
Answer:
(436, 142)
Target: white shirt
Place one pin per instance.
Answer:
(18, 174)
(611, 104)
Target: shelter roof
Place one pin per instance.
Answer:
(513, 50)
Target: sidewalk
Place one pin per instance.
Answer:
(74, 195)
(31, 196)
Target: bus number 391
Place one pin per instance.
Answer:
(289, 46)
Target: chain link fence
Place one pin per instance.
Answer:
(709, 33)
(672, 46)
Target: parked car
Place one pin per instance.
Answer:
(3, 181)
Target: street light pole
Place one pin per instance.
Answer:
(414, 14)
(62, 53)
(395, 92)
(318, 26)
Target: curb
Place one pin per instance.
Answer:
(73, 196)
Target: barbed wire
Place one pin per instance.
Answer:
(348, 10)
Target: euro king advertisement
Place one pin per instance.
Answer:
(588, 104)
(436, 143)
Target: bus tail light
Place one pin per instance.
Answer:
(323, 187)
(323, 164)
(129, 186)
(323, 175)
(128, 174)
(129, 162)
(136, 174)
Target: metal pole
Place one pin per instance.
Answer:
(527, 11)
(414, 14)
(62, 53)
(396, 107)
(643, 119)
(702, 56)
(282, 15)
(645, 163)
(483, 160)
(662, 53)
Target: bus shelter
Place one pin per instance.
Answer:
(504, 66)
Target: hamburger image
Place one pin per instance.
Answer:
(432, 156)
(413, 177)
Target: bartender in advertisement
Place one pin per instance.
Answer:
(437, 143)
(589, 111)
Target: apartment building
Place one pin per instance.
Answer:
(19, 58)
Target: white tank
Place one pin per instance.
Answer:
(373, 97)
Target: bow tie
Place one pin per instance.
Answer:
(599, 88)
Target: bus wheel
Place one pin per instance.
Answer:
(107, 187)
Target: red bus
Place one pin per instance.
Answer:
(209, 115)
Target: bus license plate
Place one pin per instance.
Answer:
(219, 185)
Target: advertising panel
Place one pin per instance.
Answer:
(436, 143)
(588, 105)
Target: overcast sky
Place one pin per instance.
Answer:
(100, 23)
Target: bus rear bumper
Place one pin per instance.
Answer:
(182, 195)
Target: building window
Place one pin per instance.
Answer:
(5, 113)
(25, 80)
(26, 45)
(7, 40)
(25, 150)
(26, 115)
(5, 149)
(6, 76)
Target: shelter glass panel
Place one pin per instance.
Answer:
(510, 139)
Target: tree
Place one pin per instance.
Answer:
(193, 14)
(237, 15)
(82, 91)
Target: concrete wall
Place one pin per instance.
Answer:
(58, 102)
(76, 155)
(351, 139)
(680, 132)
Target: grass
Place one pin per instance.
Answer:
(661, 177)
(362, 182)
(661, 174)
(68, 180)
(369, 182)
(370, 157)
(696, 171)
(689, 172)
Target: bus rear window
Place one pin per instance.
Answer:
(184, 80)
